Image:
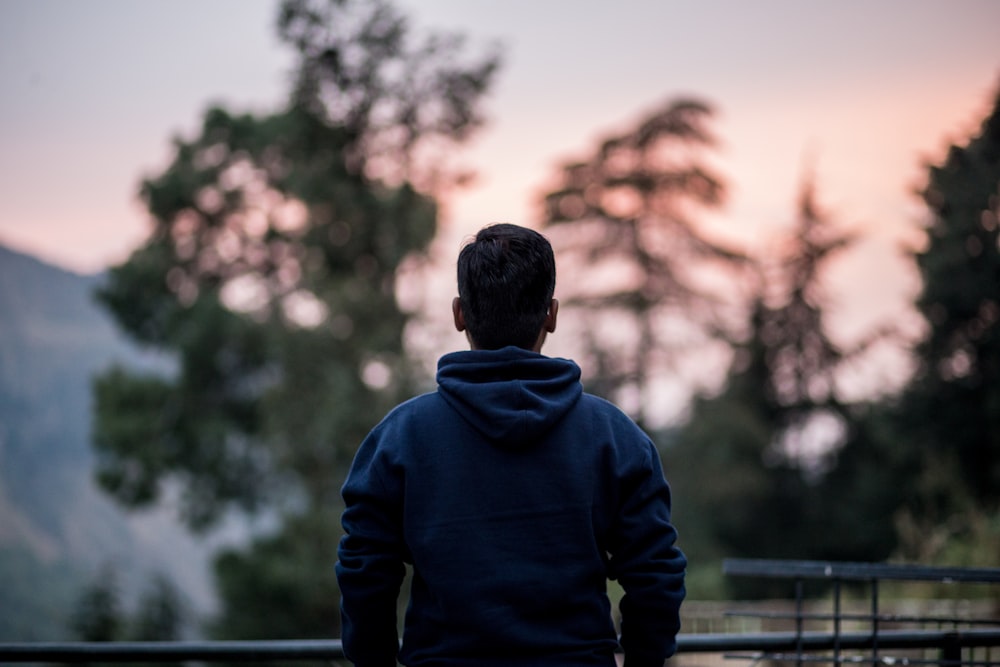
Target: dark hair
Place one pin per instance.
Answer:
(506, 278)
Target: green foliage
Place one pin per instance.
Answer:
(286, 578)
(98, 616)
(755, 467)
(857, 498)
(160, 615)
(950, 413)
(269, 276)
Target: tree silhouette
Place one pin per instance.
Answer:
(269, 280)
(160, 612)
(98, 616)
(632, 206)
(949, 415)
(748, 465)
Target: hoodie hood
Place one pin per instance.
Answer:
(512, 396)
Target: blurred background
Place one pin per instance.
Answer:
(227, 242)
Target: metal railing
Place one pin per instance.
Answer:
(761, 646)
(952, 638)
(956, 644)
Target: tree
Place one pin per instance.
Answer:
(97, 616)
(626, 223)
(774, 430)
(160, 614)
(269, 280)
(949, 415)
(801, 359)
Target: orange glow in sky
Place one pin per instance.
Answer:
(859, 93)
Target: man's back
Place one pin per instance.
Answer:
(515, 496)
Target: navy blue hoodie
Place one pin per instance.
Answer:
(515, 496)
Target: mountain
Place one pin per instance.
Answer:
(57, 529)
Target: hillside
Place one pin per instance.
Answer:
(57, 529)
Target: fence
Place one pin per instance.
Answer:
(958, 638)
(968, 640)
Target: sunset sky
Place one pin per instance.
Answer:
(863, 93)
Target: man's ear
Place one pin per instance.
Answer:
(456, 311)
(552, 316)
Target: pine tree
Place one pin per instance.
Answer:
(747, 465)
(160, 614)
(948, 418)
(625, 220)
(98, 616)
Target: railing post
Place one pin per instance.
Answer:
(951, 651)
(875, 658)
(836, 622)
(798, 621)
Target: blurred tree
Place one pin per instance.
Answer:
(630, 208)
(857, 499)
(269, 277)
(716, 464)
(97, 616)
(949, 415)
(748, 467)
(160, 612)
(286, 579)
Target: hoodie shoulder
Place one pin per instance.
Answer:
(605, 409)
(412, 408)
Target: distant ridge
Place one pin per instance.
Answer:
(57, 529)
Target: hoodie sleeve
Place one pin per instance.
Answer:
(647, 564)
(370, 566)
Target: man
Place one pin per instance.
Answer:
(514, 495)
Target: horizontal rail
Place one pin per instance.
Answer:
(799, 659)
(823, 641)
(890, 618)
(811, 569)
(208, 651)
(333, 649)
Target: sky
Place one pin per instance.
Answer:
(861, 94)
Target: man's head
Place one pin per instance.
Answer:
(506, 278)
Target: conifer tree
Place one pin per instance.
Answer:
(98, 614)
(948, 418)
(626, 225)
(747, 464)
